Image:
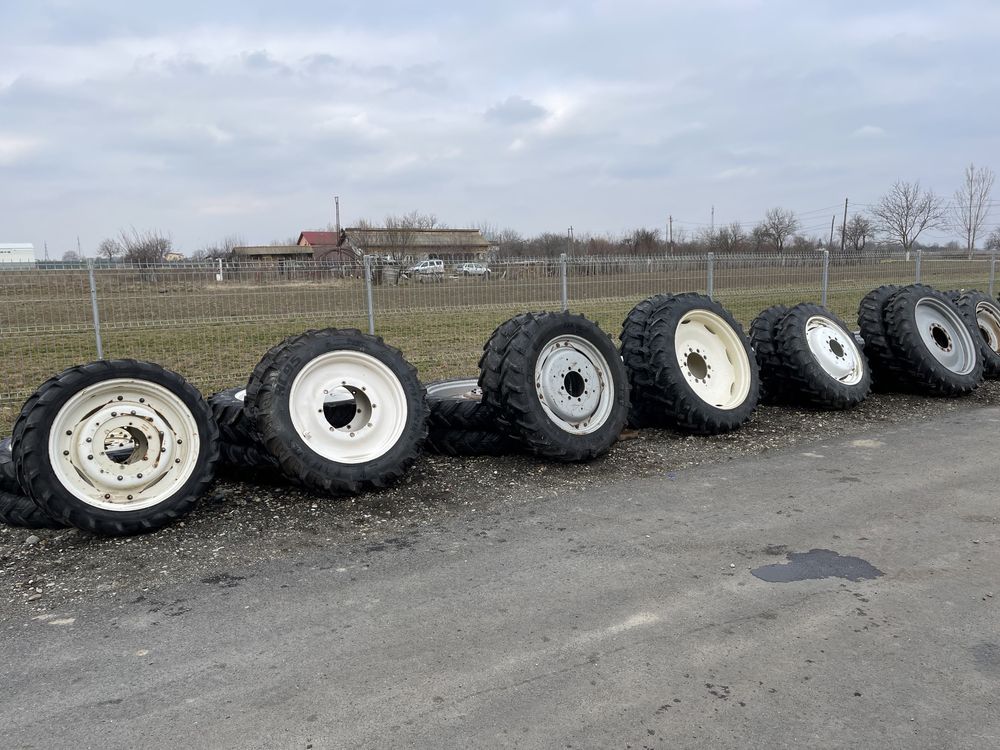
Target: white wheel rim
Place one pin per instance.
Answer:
(466, 389)
(713, 359)
(988, 318)
(380, 406)
(945, 335)
(241, 395)
(574, 384)
(834, 350)
(147, 426)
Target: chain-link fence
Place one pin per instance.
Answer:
(212, 321)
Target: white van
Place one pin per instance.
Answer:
(428, 270)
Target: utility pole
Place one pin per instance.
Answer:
(671, 232)
(843, 234)
(711, 227)
(569, 234)
(46, 250)
(833, 221)
(79, 252)
(336, 203)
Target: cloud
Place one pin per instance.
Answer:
(869, 131)
(14, 148)
(515, 110)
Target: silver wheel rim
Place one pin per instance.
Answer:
(712, 358)
(988, 318)
(380, 413)
(124, 444)
(466, 389)
(574, 384)
(834, 350)
(945, 335)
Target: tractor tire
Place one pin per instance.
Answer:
(79, 478)
(471, 443)
(287, 398)
(457, 404)
(8, 475)
(934, 341)
(822, 364)
(21, 511)
(558, 380)
(984, 312)
(634, 353)
(887, 372)
(238, 445)
(772, 371)
(705, 378)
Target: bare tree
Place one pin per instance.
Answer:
(906, 211)
(144, 246)
(110, 249)
(730, 238)
(972, 204)
(859, 230)
(223, 249)
(779, 224)
(993, 241)
(644, 241)
(758, 238)
(71, 256)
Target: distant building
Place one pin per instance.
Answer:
(328, 246)
(410, 244)
(272, 253)
(174, 257)
(17, 252)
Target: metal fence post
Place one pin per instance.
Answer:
(370, 299)
(562, 275)
(919, 255)
(94, 311)
(993, 273)
(826, 276)
(219, 276)
(711, 274)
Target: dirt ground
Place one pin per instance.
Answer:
(243, 521)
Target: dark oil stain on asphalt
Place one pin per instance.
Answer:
(817, 563)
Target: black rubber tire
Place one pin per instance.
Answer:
(8, 476)
(18, 510)
(887, 372)
(464, 411)
(671, 397)
(634, 353)
(267, 404)
(924, 373)
(238, 445)
(471, 443)
(969, 304)
(35, 473)
(809, 382)
(507, 378)
(772, 372)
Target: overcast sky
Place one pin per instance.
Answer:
(203, 119)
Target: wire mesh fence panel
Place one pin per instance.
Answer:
(213, 327)
(853, 276)
(441, 319)
(212, 322)
(46, 325)
(605, 289)
(956, 273)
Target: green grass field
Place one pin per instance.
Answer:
(214, 332)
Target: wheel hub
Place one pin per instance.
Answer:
(123, 444)
(569, 384)
(574, 384)
(712, 359)
(834, 350)
(945, 335)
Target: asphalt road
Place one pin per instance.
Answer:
(625, 615)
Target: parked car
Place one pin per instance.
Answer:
(473, 269)
(427, 270)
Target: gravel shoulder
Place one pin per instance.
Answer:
(244, 522)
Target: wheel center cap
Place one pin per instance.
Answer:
(569, 385)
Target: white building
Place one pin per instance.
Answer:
(17, 252)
